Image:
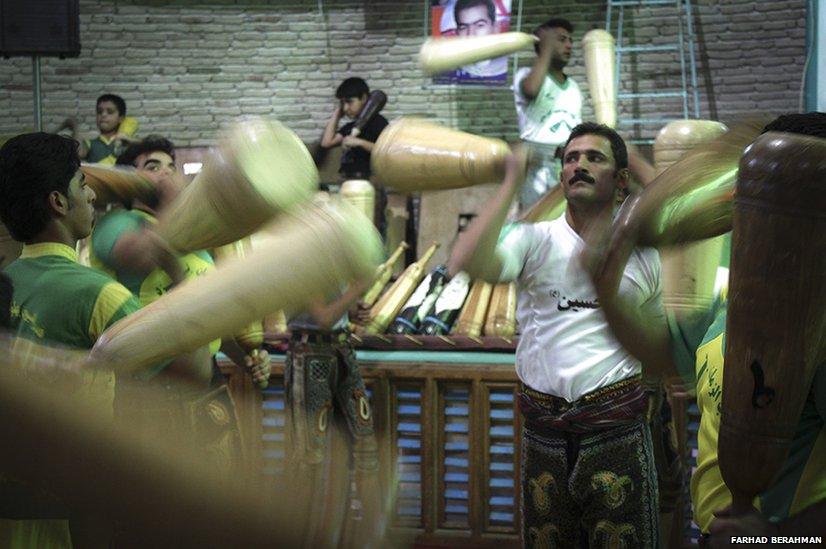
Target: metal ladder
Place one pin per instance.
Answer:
(685, 33)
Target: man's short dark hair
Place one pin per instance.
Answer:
(32, 166)
(552, 23)
(462, 5)
(148, 144)
(618, 147)
(352, 87)
(120, 104)
(810, 123)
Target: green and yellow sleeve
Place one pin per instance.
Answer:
(113, 303)
(107, 232)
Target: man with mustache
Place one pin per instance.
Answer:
(588, 476)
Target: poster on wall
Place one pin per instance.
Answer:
(472, 18)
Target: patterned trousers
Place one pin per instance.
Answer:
(321, 376)
(589, 489)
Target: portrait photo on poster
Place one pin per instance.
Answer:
(463, 18)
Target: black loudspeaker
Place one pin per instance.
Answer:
(47, 28)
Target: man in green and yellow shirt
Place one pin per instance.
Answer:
(47, 205)
(125, 246)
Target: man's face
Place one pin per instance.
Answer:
(351, 106)
(561, 44)
(589, 173)
(474, 21)
(108, 118)
(155, 164)
(80, 214)
(160, 168)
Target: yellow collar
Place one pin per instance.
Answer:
(106, 140)
(48, 248)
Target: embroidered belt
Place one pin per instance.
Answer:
(617, 404)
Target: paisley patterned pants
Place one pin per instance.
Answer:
(589, 489)
(322, 376)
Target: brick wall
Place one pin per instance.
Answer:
(188, 66)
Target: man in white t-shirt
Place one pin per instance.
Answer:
(588, 475)
(548, 104)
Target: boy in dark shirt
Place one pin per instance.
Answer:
(351, 97)
(116, 131)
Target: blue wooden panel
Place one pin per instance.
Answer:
(410, 510)
(274, 432)
(411, 476)
(410, 409)
(499, 448)
(501, 483)
(273, 404)
(500, 500)
(456, 411)
(457, 477)
(456, 481)
(408, 430)
(502, 431)
(501, 489)
(408, 443)
(506, 415)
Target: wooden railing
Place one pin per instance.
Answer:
(448, 432)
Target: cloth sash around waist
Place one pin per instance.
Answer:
(620, 403)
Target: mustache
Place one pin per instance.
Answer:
(581, 176)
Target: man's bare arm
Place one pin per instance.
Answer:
(532, 83)
(645, 337)
(330, 138)
(143, 251)
(475, 248)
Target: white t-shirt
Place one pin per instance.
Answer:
(551, 116)
(566, 348)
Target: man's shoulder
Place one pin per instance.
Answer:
(56, 275)
(521, 74)
(532, 234)
(518, 77)
(117, 221)
(89, 279)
